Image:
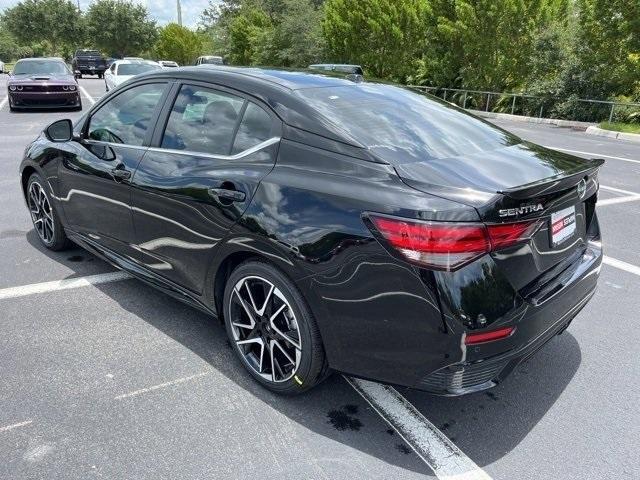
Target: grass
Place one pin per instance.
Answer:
(621, 127)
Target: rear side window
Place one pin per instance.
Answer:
(202, 120)
(126, 118)
(254, 128)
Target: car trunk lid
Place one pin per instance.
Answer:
(521, 182)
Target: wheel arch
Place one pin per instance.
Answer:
(25, 175)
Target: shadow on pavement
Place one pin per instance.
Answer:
(486, 426)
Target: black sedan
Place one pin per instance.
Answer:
(42, 83)
(330, 225)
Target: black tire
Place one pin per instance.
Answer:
(312, 365)
(57, 240)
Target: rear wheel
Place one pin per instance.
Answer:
(272, 329)
(44, 217)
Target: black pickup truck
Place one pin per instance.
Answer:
(88, 62)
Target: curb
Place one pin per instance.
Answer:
(601, 132)
(520, 118)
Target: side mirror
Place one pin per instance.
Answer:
(60, 131)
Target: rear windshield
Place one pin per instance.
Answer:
(401, 125)
(212, 61)
(136, 68)
(87, 53)
(41, 67)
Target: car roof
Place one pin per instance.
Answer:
(289, 79)
(35, 59)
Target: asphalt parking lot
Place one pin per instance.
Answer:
(115, 380)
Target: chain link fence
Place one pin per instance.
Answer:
(573, 108)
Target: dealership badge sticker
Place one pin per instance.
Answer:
(563, 225)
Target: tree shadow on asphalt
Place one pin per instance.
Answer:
(486, 426)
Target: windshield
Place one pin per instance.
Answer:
(87, 53)
(136, 68)
(212, 61)
(401, 125)
(41, 67)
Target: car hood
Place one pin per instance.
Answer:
(523, 169)
(48, 79)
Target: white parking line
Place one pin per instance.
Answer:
(161, 385)
(619, 190)
(15, 425)
(66, 284)
(86, 94)
(615, 201)
(597, 155)
(445, 459)
(3, 101)
(627, 267)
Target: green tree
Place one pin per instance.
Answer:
(178, 43)
(56, 23)
(384, 36)
(298, 36)
(120, 27)
(250, 33)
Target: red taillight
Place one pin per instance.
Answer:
(507, 234)
(481, 337)
(448, 245)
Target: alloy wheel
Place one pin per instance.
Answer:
(265, 329)
(41, 213)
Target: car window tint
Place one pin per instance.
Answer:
(202, 120)
(401, 125)
(126, 117)
(254, 128)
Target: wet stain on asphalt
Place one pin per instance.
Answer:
(343, 418)
(75, 258)
(391, 431)
(492, 396)
(401, 447)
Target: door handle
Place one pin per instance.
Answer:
(120, 173)
(227, 194)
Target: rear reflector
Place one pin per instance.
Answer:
(481, 337)
(448, 245)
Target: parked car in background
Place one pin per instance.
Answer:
(42, 83)
(122, 70)
(337, 67)
(210, 60)
(133, 58)
(363, 227)
(1, 66)
(88, 62)
(168, 64)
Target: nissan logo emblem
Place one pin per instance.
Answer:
(582, 188)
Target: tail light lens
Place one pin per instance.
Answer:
(448, 245)
(482, 337)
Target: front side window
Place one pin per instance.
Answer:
(202, 120)
(254, 128)
(126, 118)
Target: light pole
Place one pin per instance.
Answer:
(179, 7)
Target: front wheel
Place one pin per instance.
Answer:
(44, 217)
(272, 330)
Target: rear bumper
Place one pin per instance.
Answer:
(486, 365)
(45, 99)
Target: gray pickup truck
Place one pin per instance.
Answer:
(88, 62)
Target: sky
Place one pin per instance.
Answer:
(163, 11)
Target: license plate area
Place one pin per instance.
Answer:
(562, 226)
